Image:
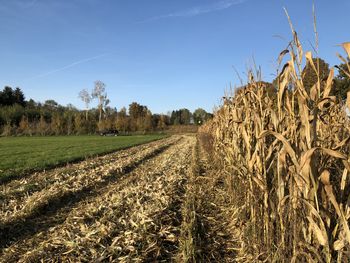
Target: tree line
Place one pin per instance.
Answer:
(21, 117)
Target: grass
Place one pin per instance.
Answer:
(21, 155)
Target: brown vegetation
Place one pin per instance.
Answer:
(286, 164)
(176, 129)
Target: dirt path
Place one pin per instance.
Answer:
(135, 217)
(208, 227)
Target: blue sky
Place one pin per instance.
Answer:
(165, 54)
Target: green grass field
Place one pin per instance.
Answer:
(21, 155)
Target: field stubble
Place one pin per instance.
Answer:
(136, 218)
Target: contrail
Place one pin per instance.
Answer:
(199, 10)
(68, 66)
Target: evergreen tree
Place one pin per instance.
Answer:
(341, 83)
(309, 76)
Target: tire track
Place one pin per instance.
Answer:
(206, 231)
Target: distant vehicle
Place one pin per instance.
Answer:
(109, 133)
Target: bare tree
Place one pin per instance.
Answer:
(85, 96)
(99, 92)
(106, 102)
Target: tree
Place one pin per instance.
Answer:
(51, 105)
(79, 124)
(341, 83)
(7, 97)
(137, 114)
(11, 114)
(99, 92)
(57, 124)
(147, 125)
(162, 123)
(175, 117)
(68, 118)
(136, 110)
(309, 75)
(182, 116)
(106, 108)
(42, 127)
(186, 116)
(19, 97)
(85, 96)
(122, 122)
(200, 116)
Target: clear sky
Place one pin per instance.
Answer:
(166, 54)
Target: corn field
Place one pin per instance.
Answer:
(286, 161)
